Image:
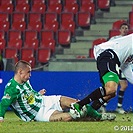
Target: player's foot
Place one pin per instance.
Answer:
(85, 110)
(120, 111)
(97, 116)
(108, 116)
(75, 111)
(102, 109)
(93, 113)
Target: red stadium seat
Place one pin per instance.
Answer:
(2, 41)
(34, 21)
(43, 55)
(18, 17)
(31, 39)
(47, 40)
(4, 17)
(18, 21)
(2, 44)
(114, 33)
(28, 55)
(131, 19)
(68, 2)
(35, 26)
(3, 2)
(66, 16)
(51, 26)
(54, 2)
(131, 26)
(70, 25)
(90, 7)
(55, 8)
(4, 21)
(19, 26)
(46, 35)
(91, 55)
(98, 41)
(74, 8)
(64, 37)
(24, 8)
(50, 17)
(20, 2)
(38, 8)
(32, 17)
(2, 34)
(11, 53)
(7, 8)
(84, 2)
(116, 25)
(15, 43)
(4, 25)
(38, 2)
(83, 19)
(15, 39)
(103, 4)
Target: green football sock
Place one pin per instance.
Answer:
(93, 113)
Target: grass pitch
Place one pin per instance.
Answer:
(12, 124)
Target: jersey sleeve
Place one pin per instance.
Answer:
(35, 92)
(10, 95)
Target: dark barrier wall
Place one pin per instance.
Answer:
(73, 84)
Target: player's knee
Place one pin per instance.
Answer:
(110, 91)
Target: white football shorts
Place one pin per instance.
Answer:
(49, 105)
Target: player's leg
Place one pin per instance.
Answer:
(111, 87)
(65, 102)
(106, 64)
(101, 95)
(52, 109)
(60, 116)
(123, 86)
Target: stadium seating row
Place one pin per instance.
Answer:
(34, 39)
(41, 55)
(22, 23)
(58, 5)
(49, 21)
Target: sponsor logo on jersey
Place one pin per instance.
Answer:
(111, 76)
(30, 98)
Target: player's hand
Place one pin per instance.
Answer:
(42, 92)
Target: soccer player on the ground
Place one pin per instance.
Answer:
(124, 28)
(109, 56)
(31, 105)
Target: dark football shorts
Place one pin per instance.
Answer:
(108, 64)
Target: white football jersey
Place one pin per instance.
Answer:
(123, 47)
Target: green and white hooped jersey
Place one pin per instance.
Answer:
(23, 99)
